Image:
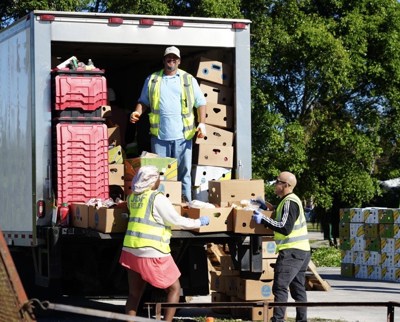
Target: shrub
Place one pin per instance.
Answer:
(326, 257)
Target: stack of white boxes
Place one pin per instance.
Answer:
(213, 154)
(370, 243)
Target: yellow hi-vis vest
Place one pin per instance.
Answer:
(187, 103)
(143, 230)
(298, 238)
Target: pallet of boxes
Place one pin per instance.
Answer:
(370, 243)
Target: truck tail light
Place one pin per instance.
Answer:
(47, 17)
(176, 23)
(146, 22)
(40, 211)
(238, 25)
(115, 21)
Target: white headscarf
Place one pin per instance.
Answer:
(144, 179)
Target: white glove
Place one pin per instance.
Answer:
(201, 130)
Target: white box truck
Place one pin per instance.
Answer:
(128, 48)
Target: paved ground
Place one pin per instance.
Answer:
(344, 290)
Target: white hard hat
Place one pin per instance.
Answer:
(172, 50)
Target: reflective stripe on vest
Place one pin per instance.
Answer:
(143, 230)
(187, 103)
(298, 238)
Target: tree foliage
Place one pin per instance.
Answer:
(331, 66)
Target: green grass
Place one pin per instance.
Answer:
(326, 257)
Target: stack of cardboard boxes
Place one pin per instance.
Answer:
(228, 286)
(370, 243)
(214, 154)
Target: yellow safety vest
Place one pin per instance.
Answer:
(143, 230)
(298, 238)
(187, 103)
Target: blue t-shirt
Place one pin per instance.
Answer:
(171, 123)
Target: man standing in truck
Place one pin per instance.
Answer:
(172, 96)
(292, 245)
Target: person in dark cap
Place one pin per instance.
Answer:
(173, 96)
(146, 253)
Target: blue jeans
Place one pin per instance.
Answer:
(290, 272)
(182, 151)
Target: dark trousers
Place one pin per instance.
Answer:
(290, 273)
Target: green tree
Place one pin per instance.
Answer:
(330, 66)
(12, 10)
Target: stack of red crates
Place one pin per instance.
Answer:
(82, 144)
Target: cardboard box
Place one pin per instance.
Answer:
(371, 244)
(372, 258)
(388, 273)
(344, 230)
(214, 71)
(234, 190)
(79, 215)
(217, 282)
(172, 190)
(105, 111)
(268, 247)
(220, 297)
(388, 245)
(127, 188)
(386, 230)
(168, 167)
(116, 155)
(220, 156)
(254, 290)
(252, 313)
(129, 170)
(219, 115)
(201, 174)
(347, 256)
(227, 267)
(371, 216)
(215, 93)
(231, 284)
(356, 230)
(243, 223)
(385, 216)
(216, 136)
(116, 174)
(114, 135)
(220, 218)
(200, 192)
(347, 270)
(108, 220)
(387, 259)
(268, 265)
(371, 230)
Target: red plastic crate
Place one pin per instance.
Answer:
(82, 162)
(87, 92)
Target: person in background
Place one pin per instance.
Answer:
(172, 96)
(146, 253)
(292, 245)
